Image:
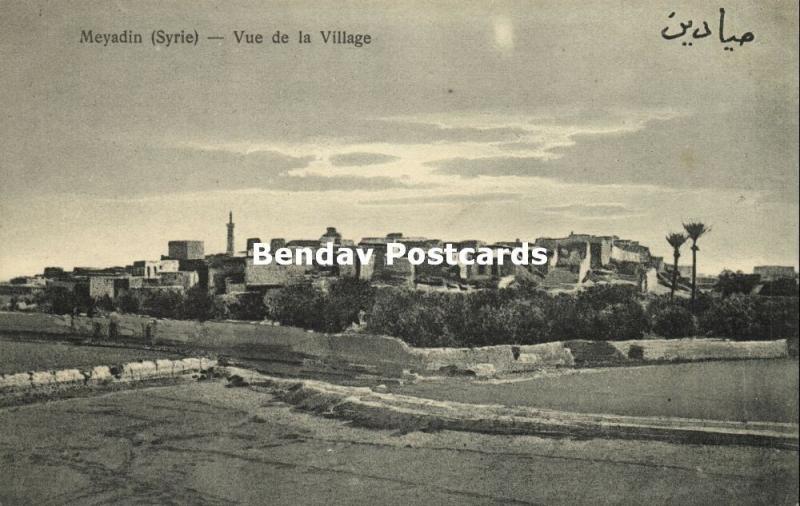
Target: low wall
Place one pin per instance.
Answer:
(47, 381)
(313, 352)
(492, 359)
(683, 350)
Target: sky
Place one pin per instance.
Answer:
(461, 120)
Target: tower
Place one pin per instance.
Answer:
(230, 251)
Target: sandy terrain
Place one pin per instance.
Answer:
(203, 443)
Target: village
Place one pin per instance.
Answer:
(573, 262)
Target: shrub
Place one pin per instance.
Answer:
(672, 320)
(406, 314)
(127, 303)
(60, 300)
(344, 302)
(752, 317)
(731, 317)
(246, 306)
(625, 320)
(163, 304)
(636, 352)
(776, 318)
(198, 304)
(300, 305)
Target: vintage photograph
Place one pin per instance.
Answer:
(417, 253)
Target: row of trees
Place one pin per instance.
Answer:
(194, 304)
(526, 315)
(523, 314)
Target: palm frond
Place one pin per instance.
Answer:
(696, 229)
(676, 239)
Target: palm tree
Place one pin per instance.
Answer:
(694, 230)
(676, 240)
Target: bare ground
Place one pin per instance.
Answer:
(203, 443)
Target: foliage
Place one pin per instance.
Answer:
(163, 304)
(299, 305)
(128, 303)
(247, 306)
(198, 304)
(105, 303)
(670, 319)
(752, 317)
(695, 230)
(60, 300)
(729, 317)
(730, 282)
(676, 240)
(346, 299)
(784, 287)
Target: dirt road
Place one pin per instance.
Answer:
(203, 443)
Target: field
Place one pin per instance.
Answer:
(207, 443)
(20, 356)
(747, 390)
(203, 443)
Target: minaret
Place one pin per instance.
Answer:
(230, 250)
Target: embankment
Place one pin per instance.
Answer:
(367, 408)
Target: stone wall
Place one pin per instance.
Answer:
(350, 352)
(364, 353)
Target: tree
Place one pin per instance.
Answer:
(676, 240)
(105, 303)
(299, 305)
(695, 230)
(163, 304)
(346, 299)
(198, 304)
(60, 300)
(730, 282)
(128, 303)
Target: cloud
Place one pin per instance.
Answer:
(520, 146)
(111, 169)
(444, 199)
(186, 170)
(701, 151)
(342, 183)
(412, 132)
(359, 159)
(592, 211)
(503, 33)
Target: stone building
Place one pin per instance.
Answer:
(774, 272)
(186, 250)
(184, 279)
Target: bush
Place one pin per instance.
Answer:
(166, 304)
(671, 320)
(127, 303)
(752, 317)
(731, 317)
(625, 320)
(247, 306)
(300, 305)
(409, 315)
(527, 315)
(344, 302)
(59, 300)
(776, 318)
